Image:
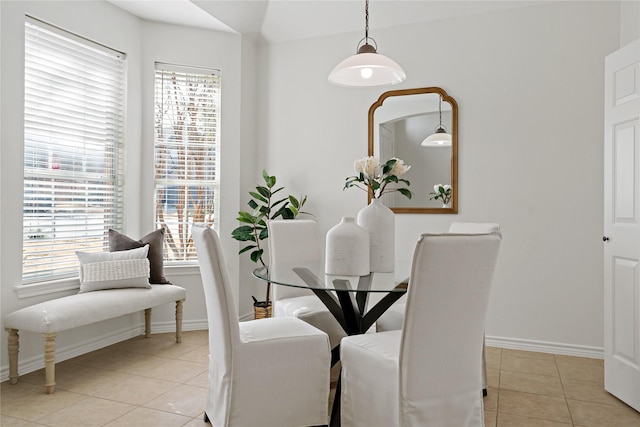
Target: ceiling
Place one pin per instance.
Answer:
(285, 20)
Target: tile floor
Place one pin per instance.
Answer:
(158, 383)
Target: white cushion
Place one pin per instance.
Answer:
(83, 309)
(112, 270)
(310, 309)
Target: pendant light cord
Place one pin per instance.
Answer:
(366, 22)
(440, 108)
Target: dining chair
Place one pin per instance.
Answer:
(392, 319)
(270, 372)
(296, 243)
(426, 374)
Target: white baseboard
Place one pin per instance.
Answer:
(37, 362)
(546, 347)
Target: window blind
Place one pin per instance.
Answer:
(73, 146)
(187, 128)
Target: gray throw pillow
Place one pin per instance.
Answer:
(155, 240)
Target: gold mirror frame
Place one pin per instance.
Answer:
(454, 146)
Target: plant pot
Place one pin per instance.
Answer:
(262, 309)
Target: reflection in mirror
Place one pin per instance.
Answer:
(399, 123)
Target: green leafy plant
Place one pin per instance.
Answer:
(265, 206)
(442, 192)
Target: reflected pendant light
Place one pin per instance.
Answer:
(440, 138)
(367, 68)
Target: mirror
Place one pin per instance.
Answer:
(399, 121)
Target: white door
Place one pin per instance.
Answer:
(622, 224)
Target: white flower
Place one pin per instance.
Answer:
(368, 166)
(447, 188)
(436, 188)
(399, 168)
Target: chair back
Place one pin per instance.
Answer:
(443, 332)
(293, 243)
(474, 227)
(222, 316)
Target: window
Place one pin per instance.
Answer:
(73, 140)
(187, 124)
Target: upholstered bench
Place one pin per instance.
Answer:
(57, 315)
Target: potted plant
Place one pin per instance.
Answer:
(265, 206)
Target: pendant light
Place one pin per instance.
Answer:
(367, 68)
(440, 138)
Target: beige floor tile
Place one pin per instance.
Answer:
(195, 337)
(493, 377)
(105, 358)
(145, 417)
(6, 421)
(134, 363)
(532, 365)
(533, 405)
(493, 356)
(490, 401)
(88, 412)
(589, 391)
(200, 355)
(159, 383)
(197, 422)
(183, 399)
(92, 381)
(582, 360)
(524, 353)
(136, 390)
(178, 371)
(490, 418)
(9, 392)
(531, 383)
(200, 380)
(33, 406)
(580, 371)
(508, 420)
(156, 347)
(591, 414)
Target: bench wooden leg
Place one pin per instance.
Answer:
(13, 346)
(179, 320)
(49, 361)
(147, 322)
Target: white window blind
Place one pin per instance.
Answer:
(187, 125)
(73, 139)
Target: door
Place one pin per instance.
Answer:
(622, 224)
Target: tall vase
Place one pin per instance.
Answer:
(380, 222)
(347, 249)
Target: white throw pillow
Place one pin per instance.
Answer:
(112, 270)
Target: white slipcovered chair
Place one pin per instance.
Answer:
(392, 319)
(296, 243)
(426, 374)
(269, 372)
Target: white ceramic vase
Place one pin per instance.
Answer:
(380, 222)
(347, 249)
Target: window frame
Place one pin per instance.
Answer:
(66, 43)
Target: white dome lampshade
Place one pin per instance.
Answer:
(367, 68)
(439, 139)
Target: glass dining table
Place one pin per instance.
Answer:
(356, 302)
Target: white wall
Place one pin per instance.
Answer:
(144, 43)
(528, 83)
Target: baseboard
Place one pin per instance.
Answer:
(37, 362)
(546, 347)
